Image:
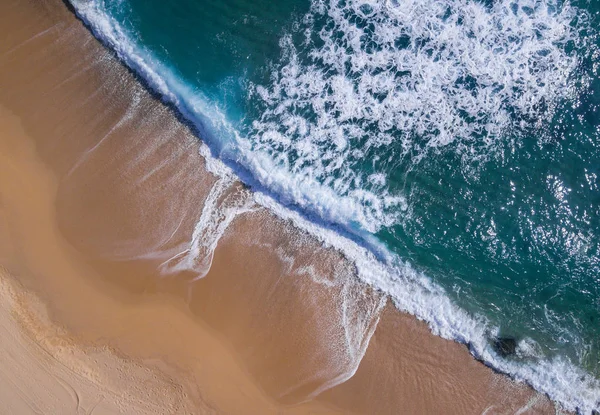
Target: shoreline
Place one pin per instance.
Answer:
(409, 290)
(412, 293)
(81, 128)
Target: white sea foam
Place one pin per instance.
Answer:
(416, 294)
(222, 205)
(344, 90)
(389, 80)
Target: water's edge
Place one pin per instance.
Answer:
(410, 290)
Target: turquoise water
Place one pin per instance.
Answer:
(462, 136)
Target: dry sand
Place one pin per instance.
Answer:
(111, 300)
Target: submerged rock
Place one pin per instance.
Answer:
(505, 346)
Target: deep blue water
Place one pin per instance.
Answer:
(463, 135)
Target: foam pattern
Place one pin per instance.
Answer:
(385, 81)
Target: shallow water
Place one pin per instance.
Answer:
(458, 140)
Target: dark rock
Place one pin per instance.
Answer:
(505, 346)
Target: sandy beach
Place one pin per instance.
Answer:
(135, 281)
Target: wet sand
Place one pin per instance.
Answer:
(134, 278)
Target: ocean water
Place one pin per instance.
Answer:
(451, 148)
